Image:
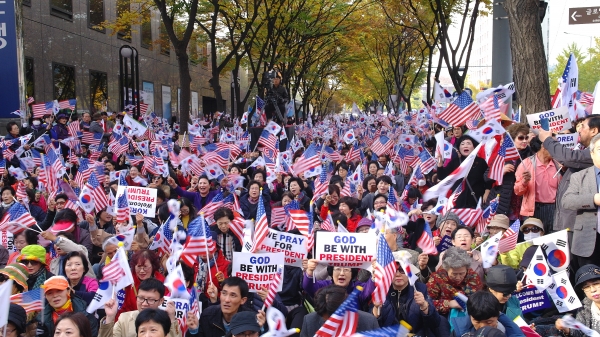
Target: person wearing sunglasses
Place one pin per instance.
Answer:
(502, 281)
(34, 259)
(532, 228)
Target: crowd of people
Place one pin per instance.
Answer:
(50, 162)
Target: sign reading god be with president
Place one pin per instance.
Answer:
(354, 250)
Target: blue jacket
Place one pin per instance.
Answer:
(195, 197)
(250, 209)
(463, 325)
(430, 324)
(311, 287)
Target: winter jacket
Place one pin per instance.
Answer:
(257, 303)
(506, 190)
(527, 189)
(512, 258)
(222, 265)
(442, 291)
(574, 161)
(37, 213)
(124, 327)
(68, 246)
(475, 186)
(195, 197)
(86, 289)
(250, 208)
(311, 287)
(462, 325)
(211, 322)
(79, 305)
(291, 288)
(423, 324)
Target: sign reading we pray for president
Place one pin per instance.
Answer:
(258, 270)
(355, 250)
(292, 245)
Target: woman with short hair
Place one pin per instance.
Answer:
(73, 324)
(455, 276)
(153, 323)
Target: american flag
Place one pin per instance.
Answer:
(123, 208)
(453, 197)
(382, 145)
(21, 192)
(487, 216)
(210, 208)
(74, 128)
(237, 225)
(425, 242)
(301, 221)
(112, 272)
(91, 138)
(162, 239)
(352, 154)
(427, 162)
(392, 201)
(199, 241)
(309, 159)
(31, 301)
(260, 107)
(118, 145)
(220, 158)
(16, 219)
(400, 159)
(397, 330)
(83, 172)
(273, 287)
(586, 98)
(268, 140)
(327, 223)
(385, 269)
(491, 108)
(511, 150)
(30, 100)
(41, 109)
(508, 241)
(468, 216)
(57, 162)
(292, 206)
(278, 216)
(261, 227)
(321, 184)
(100, 199)
(461, 110)
(344, 320)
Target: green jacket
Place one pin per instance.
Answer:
(513, 258)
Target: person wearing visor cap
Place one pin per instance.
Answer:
(587, 279)
(60, 299)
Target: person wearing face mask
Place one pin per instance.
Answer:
(531, 228)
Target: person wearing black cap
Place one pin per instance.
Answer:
(17, 318)
(475, 183)
(244, 324)
(587, 278)
(502, 281)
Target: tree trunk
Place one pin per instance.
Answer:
(530, 68)
(185, 81)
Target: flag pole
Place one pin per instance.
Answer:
(207, 253)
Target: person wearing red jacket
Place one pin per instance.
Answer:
(144, 265)
(349, 208)
(218, 272)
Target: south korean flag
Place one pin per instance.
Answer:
(538, 272)
(562, 293)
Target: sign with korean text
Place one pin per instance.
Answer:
(141, 199)
(584, 15)
(258, 270)
(354, 250)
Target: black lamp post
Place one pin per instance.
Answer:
(129, 79)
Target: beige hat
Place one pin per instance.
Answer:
(500, 220)
(532, 221)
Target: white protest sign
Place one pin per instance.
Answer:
(182, 306)
(141, 200)
(291, 245)
(355, 250)
(558, 119)
(258, 270)
(568, 140)
(7, 240)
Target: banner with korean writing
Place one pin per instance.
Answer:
(291, 245)
(258, 270)
(141, 199)
(355, 250)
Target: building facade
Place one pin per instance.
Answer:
(69, 55)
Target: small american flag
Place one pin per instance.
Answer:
(261, 226)
(118, 146)
(301, 220)
(260, 106)
(392, 201)
(30, 100)
(74, 128)
(273, 287)
(112, 272)
(100, 199)
(41, 109)
(468, 216)
(278, 215)
(382, 145)
(425, 242)
(92, 138)
(427, 162)
(327, 224)
(385, 269)
(16, 219)
(162, 239)
(309, 159)
(508, 241)
(491, 108)
(268, 140)
(199, 241)
(123, 208)
(321, 184)
(487, 216)
(461, 110)
(31, 301)
(344, 320)
(83, 172)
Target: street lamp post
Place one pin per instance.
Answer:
(129, 79)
